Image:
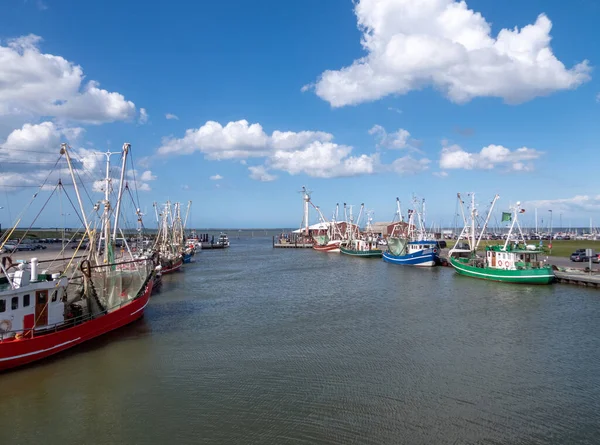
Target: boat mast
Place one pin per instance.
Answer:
(126, 147)
(473, 216)
(487, 219)
(63, 150)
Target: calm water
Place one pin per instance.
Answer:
(262, 346)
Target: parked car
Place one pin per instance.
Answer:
(9, 248)
(83, 246)
(580, 256)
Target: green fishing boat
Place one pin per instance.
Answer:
(363, 245)
(362, 248)
(511, 262)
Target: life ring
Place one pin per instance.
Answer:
(5, 326)
(500, 263)
(86, 268)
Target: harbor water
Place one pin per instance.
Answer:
(255, 345)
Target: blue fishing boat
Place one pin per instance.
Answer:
(187, 256)
(409, 244)
(418, 253)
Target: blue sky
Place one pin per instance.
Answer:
(440, 104)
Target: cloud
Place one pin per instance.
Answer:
(395, 110)
(141, 180)
(491, 156)
(38, 84)
(576, 204)
(323, 160)
(41, 5)
(598, 97)
(185, 187)
(260, 173)
(238, 139)
(29, 155)
(216, 178)
(407, 165)
(441, 174)
(304, 152)
(143, 119)
(35, 144)
(412, 44)
(171, 116)
(397, 140)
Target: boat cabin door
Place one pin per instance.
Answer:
(41, 308)
(493, 259)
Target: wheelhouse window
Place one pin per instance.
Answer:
(26, 301)
(14, 303)
(2, 305)
(41, 298)
(54, 295)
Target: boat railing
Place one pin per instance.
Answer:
(15, 335)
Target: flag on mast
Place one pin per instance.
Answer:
(506, 216)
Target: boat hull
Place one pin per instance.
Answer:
(174, 267)
(375, 253)
(187, 258)
(543, 275)
(427, 258)
(328, 248)
(14, 353)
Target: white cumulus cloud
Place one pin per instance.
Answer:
(216, 177)
(260, 173)
(312, 153)
(323, 160)
(396, 140)
(171, 116)
(41, 84)
(143, 119)
(491, 156)
(575, 204)
(411, 44)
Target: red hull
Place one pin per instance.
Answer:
(327, 247)
(15, 353)
(175, 267)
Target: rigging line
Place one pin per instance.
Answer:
(37, 216)
(7, 203)
(74, 208)
(137, 204)
(4, 237)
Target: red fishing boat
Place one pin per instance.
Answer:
(44, 313)
(38, 319)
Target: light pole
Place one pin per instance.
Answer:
(560, 221)
(64, 215)
(1, 223)
(550, 223)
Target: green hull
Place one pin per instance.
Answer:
(363, 253)
(543, 275)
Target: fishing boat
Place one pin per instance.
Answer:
(43, 313)
(409, 243)
(223, 240)
(362, 245)
(329, 238)
(511, 262)
(167, 245)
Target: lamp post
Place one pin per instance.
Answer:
(1, 223)
(560, 221)
(64, 215)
